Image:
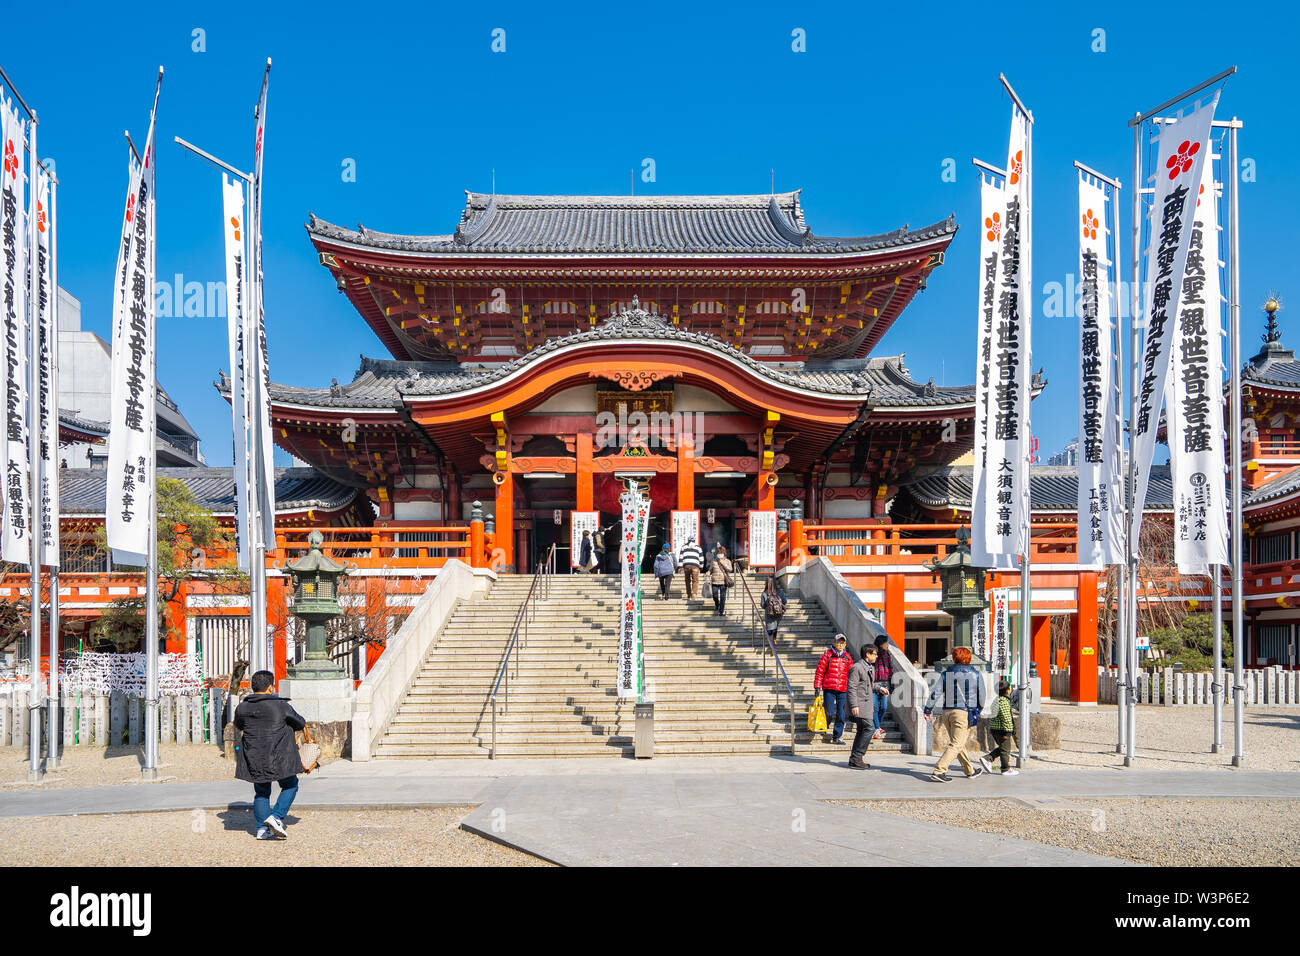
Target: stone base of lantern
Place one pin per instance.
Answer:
(321, 701)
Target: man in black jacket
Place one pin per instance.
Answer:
(268, 752)
(860, 692)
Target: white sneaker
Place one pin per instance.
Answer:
(1013, 772)
(276, 824)
(264, 834)
(984, 762)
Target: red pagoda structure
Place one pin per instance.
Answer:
(525, 344)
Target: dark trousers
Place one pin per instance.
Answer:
(881, 704)
(262, 799)
(862, 739)
(836, 702)
(720, 598)
(664, 581)
(1003, 749)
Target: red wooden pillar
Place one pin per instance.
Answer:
(686, 473)
(175, 641)
(895, 595)
(1083, 643)
(585, 493)
(477, 555)
(1040, 651)
(505, 519)
(277, 615)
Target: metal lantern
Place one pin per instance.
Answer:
(963, 595)
(316, 600)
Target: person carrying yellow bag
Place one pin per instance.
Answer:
(817, 716)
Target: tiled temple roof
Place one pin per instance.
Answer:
(81, 490)
(641, 225)
(384, 383)
(1051, 488)
(1273, 365)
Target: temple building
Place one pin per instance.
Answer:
(713, 346)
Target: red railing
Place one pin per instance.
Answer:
(389, 546)
(916, 544)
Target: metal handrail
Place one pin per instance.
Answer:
(527, 612)
(755, 618)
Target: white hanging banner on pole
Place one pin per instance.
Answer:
(235, 229)
(15, 544)
(1101, 500)
(992, 206)
(46, 380)
(1181, 151)
(131, 461)
(1194, 403)
(636, 515)
(257, 340)
(1007, 463)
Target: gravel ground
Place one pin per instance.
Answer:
(1156, 832)
(110, 766)
(1174, 738)
(427, 837)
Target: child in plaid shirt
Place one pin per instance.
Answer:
(1003, 728)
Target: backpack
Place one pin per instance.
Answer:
(775, 606)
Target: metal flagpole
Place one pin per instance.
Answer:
(1117, 388)
(1216, 689)
(34, 454)
(1026, 283)
(1128, 664)
(1234, 352)
(52, 403)
(150, 769)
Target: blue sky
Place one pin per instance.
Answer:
(862, 122)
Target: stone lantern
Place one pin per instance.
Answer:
(322, 692)
(963, 597)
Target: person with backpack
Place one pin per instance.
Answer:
(773, 598)
(961, 691)
(691, 559)
(861, 692)
(832, 680)
(721, 576)
(587, 553)
(1002, 727)
(665, 566)
(266, 752)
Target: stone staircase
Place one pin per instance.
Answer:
(711, 694)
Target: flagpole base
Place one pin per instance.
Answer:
(34, 776)
(1238, 761)
(148, 773)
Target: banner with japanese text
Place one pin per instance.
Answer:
(255, 335)
(636, 515)
(992, 205)
(15, 544)
(1101, 496)
(131, 457)
(1006, 465)
(1181, 151)
(235, 230)
(1194, 404)
(48, 502)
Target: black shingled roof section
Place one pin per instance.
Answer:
(81, 490)
(643, 225)
(1051, 488)
(1273, 365)
(381, 383)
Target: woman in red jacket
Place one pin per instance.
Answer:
(832, 679)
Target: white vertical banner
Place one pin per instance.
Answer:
(235, 229)
(1101, 500)
(762, 539)
(1006, 466)
(131, 457)
(256, 338)
(1182, 148)
(14, 544)
(1194, 403)
(46, 379)
(1000, 630)
(684, 525)
(636, 515)
(580, 521)
(992, 206)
